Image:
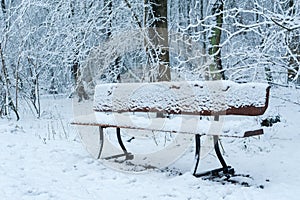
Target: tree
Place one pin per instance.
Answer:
(45, 45)
(7, 101)
(157, 42)
(216, 72)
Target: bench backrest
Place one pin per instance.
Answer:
(192, 97)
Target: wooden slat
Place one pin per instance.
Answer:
(254, 133)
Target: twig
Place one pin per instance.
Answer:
(284, 27)
(134, 15)
(61, 122)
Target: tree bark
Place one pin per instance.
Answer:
(159, 38)
(215, 40)
(75, 68)
(9, 104)
(294, 47)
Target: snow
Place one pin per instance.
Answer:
(178, 97)
(44, 159)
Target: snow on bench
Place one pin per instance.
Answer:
(195, 97)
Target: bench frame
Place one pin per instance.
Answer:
(225, 169)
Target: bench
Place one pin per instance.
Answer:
(172, 99)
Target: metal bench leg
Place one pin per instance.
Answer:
(101, 141)
(225, 168)
(218, 152)
(128, 156)
(197, 152)
(120, 140)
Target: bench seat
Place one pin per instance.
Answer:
(225, 127)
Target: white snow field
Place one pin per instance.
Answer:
(44, 159)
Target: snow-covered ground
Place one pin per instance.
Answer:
(44, 159)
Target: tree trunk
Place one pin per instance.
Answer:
(75, 68)
(8, 102)
(159, 38)
(294, 47)
(215, 40)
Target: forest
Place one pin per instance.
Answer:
(69, 46)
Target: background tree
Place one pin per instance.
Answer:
(157, 43)
(58, 47)
(216, 72)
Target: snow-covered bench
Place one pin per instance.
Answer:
(178, 100)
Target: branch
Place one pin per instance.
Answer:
(134, 15)
(284, 27)
(3, 6)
